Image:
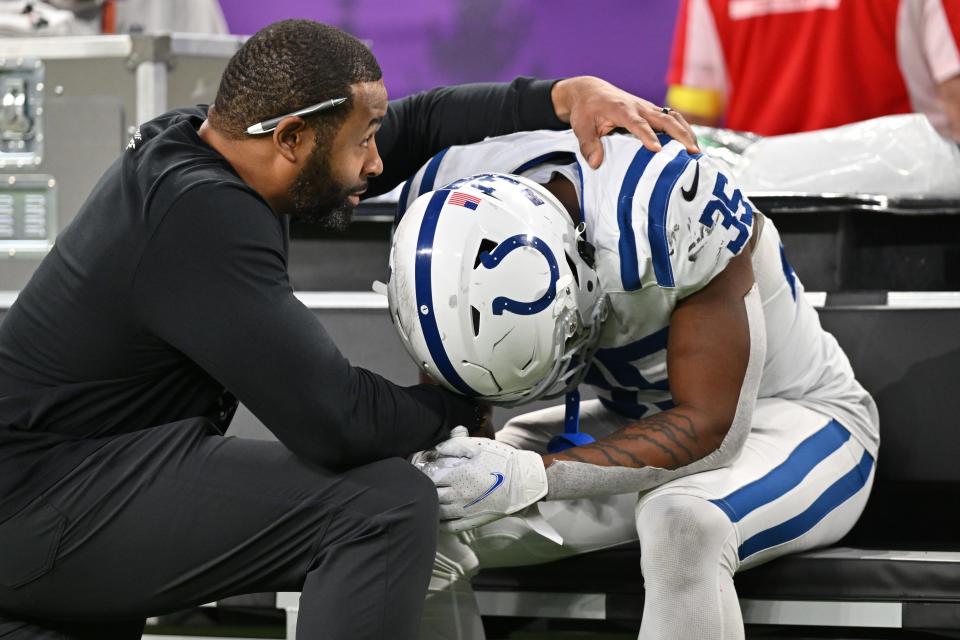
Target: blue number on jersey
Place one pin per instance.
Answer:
(728, 209)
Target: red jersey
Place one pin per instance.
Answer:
(784, 66)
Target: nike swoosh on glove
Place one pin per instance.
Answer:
(480, 480)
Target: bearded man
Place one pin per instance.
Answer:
(167, 299)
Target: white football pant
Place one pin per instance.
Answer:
(800, 482)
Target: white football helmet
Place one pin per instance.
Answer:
(493, 289)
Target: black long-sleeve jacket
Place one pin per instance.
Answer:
(168, 296)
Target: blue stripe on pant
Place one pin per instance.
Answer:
(785, 477)
(838, 493)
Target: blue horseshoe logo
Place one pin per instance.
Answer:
(491, 259)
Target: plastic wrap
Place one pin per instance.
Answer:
(897, 156)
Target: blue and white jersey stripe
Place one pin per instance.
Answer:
(657, 211)
(627, 243)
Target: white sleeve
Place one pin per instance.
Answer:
(709, 221)
(679, 219)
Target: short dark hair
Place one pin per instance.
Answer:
(287, 66)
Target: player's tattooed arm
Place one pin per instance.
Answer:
(707, 356)
(668, 440)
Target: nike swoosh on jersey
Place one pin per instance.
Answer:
(690, 194)
(496, 483)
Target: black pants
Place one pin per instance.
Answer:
(173, 517)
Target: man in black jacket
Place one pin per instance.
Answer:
(168, 298)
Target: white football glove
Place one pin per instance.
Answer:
(481, 480)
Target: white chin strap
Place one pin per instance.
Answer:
(569, 480)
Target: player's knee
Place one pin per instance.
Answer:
(683, 540)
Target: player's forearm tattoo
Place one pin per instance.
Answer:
(675, 427)
(608, 451)
(667, 440)
(653, 442)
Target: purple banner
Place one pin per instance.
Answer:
(425, 43)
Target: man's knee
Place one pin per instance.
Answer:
(406, 494)
(682, 537)
(392, 504)
(413, 485)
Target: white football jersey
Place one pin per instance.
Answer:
(663, 225)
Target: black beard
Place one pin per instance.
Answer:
(317, 198)
(337, 220)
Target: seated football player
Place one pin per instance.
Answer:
(728, 428)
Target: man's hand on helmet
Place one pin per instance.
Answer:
(480, 480)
